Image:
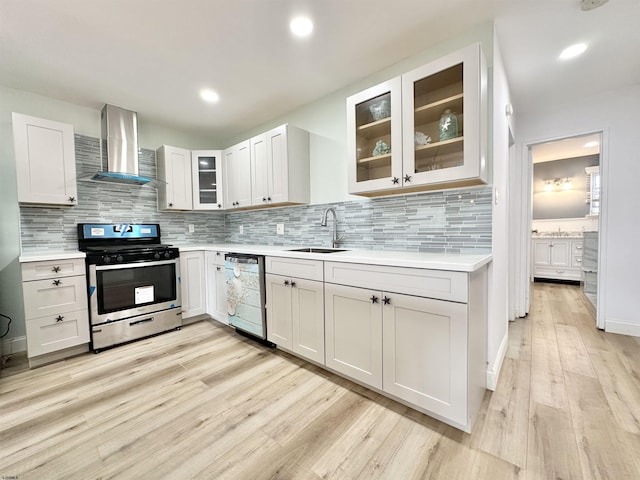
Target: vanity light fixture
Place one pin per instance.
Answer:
(573, 51)
(548, 186)
(209, 95)
(567, 184)
(301, 26)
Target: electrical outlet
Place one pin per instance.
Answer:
(192, 228)
(280, 228)
(241, 230)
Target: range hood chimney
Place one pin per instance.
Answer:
(119, 147)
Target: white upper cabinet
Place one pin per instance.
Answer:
(431, 134)
(206, 170)
(45, 161)
(374, 142)
(237, 175)
(280, 167)
(174, 169)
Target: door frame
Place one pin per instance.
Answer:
(526, 212)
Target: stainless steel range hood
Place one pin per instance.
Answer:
(119, 147)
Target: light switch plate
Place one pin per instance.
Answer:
(280, 228)
(241, 230)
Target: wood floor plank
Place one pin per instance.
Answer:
(547, 379)
(552, 451)
(573, 354)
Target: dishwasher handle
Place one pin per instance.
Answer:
(245, 259)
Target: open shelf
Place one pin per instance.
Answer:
(433, 111)
(377, 161)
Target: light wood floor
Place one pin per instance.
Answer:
(205, 403)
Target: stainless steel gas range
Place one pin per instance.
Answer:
(134, 282)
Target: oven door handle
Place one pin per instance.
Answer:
(120, 266)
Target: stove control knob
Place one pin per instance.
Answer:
(106, 259)
(156, 256)
(119, 258)
(167, 254)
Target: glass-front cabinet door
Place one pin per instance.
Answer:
(207, 179)
(444, 121)
(374, 138)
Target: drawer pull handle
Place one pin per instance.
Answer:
(218, 268)
(57, 282)
(293, 284)
(286, 282)
(55, 269)
(386, 300)
(578, 247)
(59, 318)
(374, 299)
(139, 322)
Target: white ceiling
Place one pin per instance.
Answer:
(153, 56)
(572, 147)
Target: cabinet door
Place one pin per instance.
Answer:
(353, 333)
(45, 161)
(259, 171)
(277, 165)
(55, 332)
(53, 296)
(445, 100)
(237, 171)
(206, 170)
(174, 169)
(279, 326)
(425, 361)
(541, 253)
(560, 253)
(216, 287)
(192, 283)
(307, 304)
(374, 138)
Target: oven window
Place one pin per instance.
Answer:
(126, 288)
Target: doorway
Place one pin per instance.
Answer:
(564, 213)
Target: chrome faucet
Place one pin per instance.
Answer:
(323, 223)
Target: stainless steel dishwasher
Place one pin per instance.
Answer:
(246, 300)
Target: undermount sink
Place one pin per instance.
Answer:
(317, 250)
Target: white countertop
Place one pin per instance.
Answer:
(50, 255)
(435, 261)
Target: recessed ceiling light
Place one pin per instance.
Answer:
(591, 144)
(573, 51)
(209, 95)
(301, 26)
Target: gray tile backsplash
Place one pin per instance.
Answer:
(452, 221)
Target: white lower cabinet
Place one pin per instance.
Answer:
(422, 363)
(216, 287)
(557, 258)
(55, 305)
(193, 284)
(353, 333)
(295, 306)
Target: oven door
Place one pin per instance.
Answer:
(123, 291)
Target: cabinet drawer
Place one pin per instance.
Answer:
(54, 332)
(576, 247)
(52, 269)
(576, 261)
(294, 267)
(560, 273)
(54, 296)
(216, 257)
(440, 284)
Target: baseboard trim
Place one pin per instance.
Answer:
(621, 327)
(493, 372)
(14, 345)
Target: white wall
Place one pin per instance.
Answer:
(617, 114)
(497, 329)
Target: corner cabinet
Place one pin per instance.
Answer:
(237, 175)
(174, 171)
(206, 171)
(424, 130)
(45, 161)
